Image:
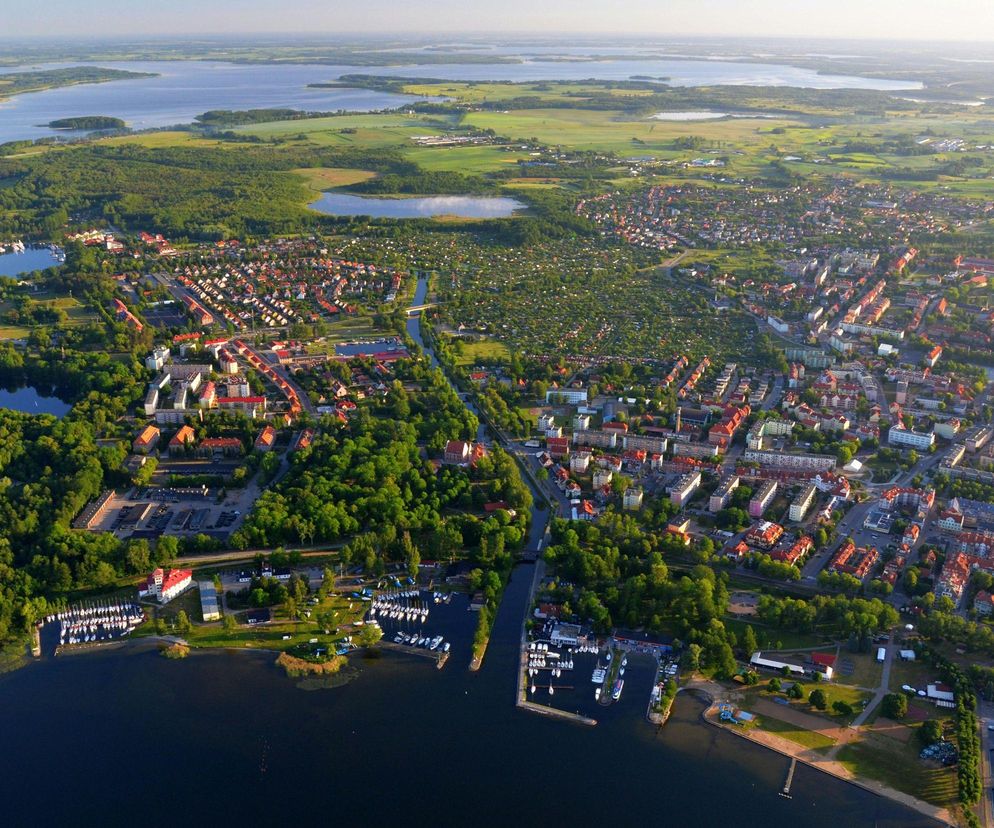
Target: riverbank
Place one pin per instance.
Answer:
(819, 761)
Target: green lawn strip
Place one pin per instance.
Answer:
(806, 738)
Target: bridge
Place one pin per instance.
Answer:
(418, 308)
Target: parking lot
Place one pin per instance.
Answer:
(150, 512)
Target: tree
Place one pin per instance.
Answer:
(369, 635)
(818, 699)
(749, 645)
(775, 685)
(795, 691)
(229, 623)
(842, 708)
(183, 624)
(894, 706)
(930, 731)
(692, 658)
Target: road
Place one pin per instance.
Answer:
(882, 690)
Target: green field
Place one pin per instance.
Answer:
(806, 738)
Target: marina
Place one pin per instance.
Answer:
(16, 258)
(94, 622)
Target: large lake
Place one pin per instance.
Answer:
(185, 89)
(88, 739)
(31, 401)
(33, 258)
(475, 207)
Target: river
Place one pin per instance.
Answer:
(119, 736)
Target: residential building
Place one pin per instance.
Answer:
(906, 438)
(146, 441)
(633, 498)
(762, 498)
(573, 396)
(580, 462)
(785, 460)
(457, 453)
(723, 494)
(684, 488)
(226, 446)
(266, 440)
(764, 534)
(803, 502)
(182, 439)
(165, 585)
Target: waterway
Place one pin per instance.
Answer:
(475, 207)
(33, 258)
(110, 737)
(181, 90)
(31, 401)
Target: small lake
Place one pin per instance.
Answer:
(34, 258)
(708, 115)
(472, 207)
(31, 401)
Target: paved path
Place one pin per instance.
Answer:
(881, 691)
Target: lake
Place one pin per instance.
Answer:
(473, 207)
(185, 89)
(87, 737)
(33, 258)
(31, 401)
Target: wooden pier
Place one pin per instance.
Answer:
(790, 778)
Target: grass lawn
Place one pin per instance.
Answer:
(473, 350)
(917, 674)
(14, 332)
(805, 738)
(866, 671)
(897, 764)
(157, 140)
(469, 160)
(345, 330)
(787, 639)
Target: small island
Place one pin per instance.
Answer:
(88, 122)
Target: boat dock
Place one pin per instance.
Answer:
(440, 659)
(790, 778)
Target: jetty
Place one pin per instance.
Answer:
(440, 659)
(790, 778)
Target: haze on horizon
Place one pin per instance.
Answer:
(962, 20)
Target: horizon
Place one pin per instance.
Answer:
(961, 21)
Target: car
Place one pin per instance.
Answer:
(990, 725)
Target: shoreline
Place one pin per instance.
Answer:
(835, 769)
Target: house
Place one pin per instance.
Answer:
(580, 462)
(633, 498)
(147, 440)
(182, 439)
(457, 453)
(983, 603)
(602, 478)
(764, 534)
(558, 447)
(165, 585)
(266, 439)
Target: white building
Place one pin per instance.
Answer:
(803, 502)
(906, 438)
(573, 396)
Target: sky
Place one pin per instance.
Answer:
(887, 19)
